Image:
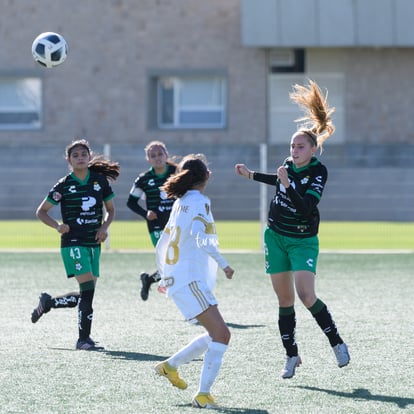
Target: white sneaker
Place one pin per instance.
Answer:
(342, 354)
(290, 366)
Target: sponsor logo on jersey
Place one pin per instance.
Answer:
(87, 203)
(72, 189)
(151, 182)
(82, 221)
(206, 241)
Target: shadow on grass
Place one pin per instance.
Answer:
(226, 410)
(124, 355)
(133, 356)
(238, 326)
(364, 394)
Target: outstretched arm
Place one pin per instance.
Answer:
(245, 172)
(242, 170)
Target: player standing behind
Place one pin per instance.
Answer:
(82, 195)
(291, 237)
(147, 185)
(187, 257)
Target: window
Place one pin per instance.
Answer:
(20, 102)
(282, 112)
(193, 101)
(287, 61)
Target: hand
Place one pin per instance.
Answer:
(242, 170)
(229, 272)
(151, 215)
(101, 235)
(63, 228)
(282, 174)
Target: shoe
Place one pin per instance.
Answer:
(290, 366)
(202, 400)
(165, 370)
(145, 285)
(43, 307)
(342, 354)
(88, 345)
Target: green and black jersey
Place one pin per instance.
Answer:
(81, 206)
(149, 183)
(293, 211)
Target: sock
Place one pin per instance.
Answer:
(212, 364)
(287, 329)
(85, 310)
(155, 277)
(65, 301)
(191, 351)
(324, 319)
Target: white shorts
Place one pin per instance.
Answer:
(193, 299)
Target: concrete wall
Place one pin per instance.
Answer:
(101, 90)
(327, 23)
(358, 188)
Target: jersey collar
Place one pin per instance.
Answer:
(72, 174)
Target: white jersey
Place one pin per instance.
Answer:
(188, 248)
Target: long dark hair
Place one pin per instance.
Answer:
(192, 171)
(98, 162)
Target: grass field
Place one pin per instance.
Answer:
(370, 296)
(242, 235)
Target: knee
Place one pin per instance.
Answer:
(221, 335)
(226, 335)
(307, 298)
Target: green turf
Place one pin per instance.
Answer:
(370, 296)
(240, 235)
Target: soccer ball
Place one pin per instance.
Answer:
(49, 49)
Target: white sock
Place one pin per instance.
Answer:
(212, 364)
(194, 349)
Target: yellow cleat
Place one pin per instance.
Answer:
(202, 400)
(166, 370)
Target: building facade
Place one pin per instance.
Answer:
(210, 77)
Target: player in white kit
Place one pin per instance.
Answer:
(188, 258)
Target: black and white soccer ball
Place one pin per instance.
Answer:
(49, 49)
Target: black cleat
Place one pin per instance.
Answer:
(43, 307)
(88, 345)
(145, 285)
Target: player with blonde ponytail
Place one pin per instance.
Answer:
(317, 121)
(291, 236)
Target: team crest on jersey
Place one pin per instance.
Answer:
(56, 196)
(304, 180)
(96, 186)
(207, 208)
